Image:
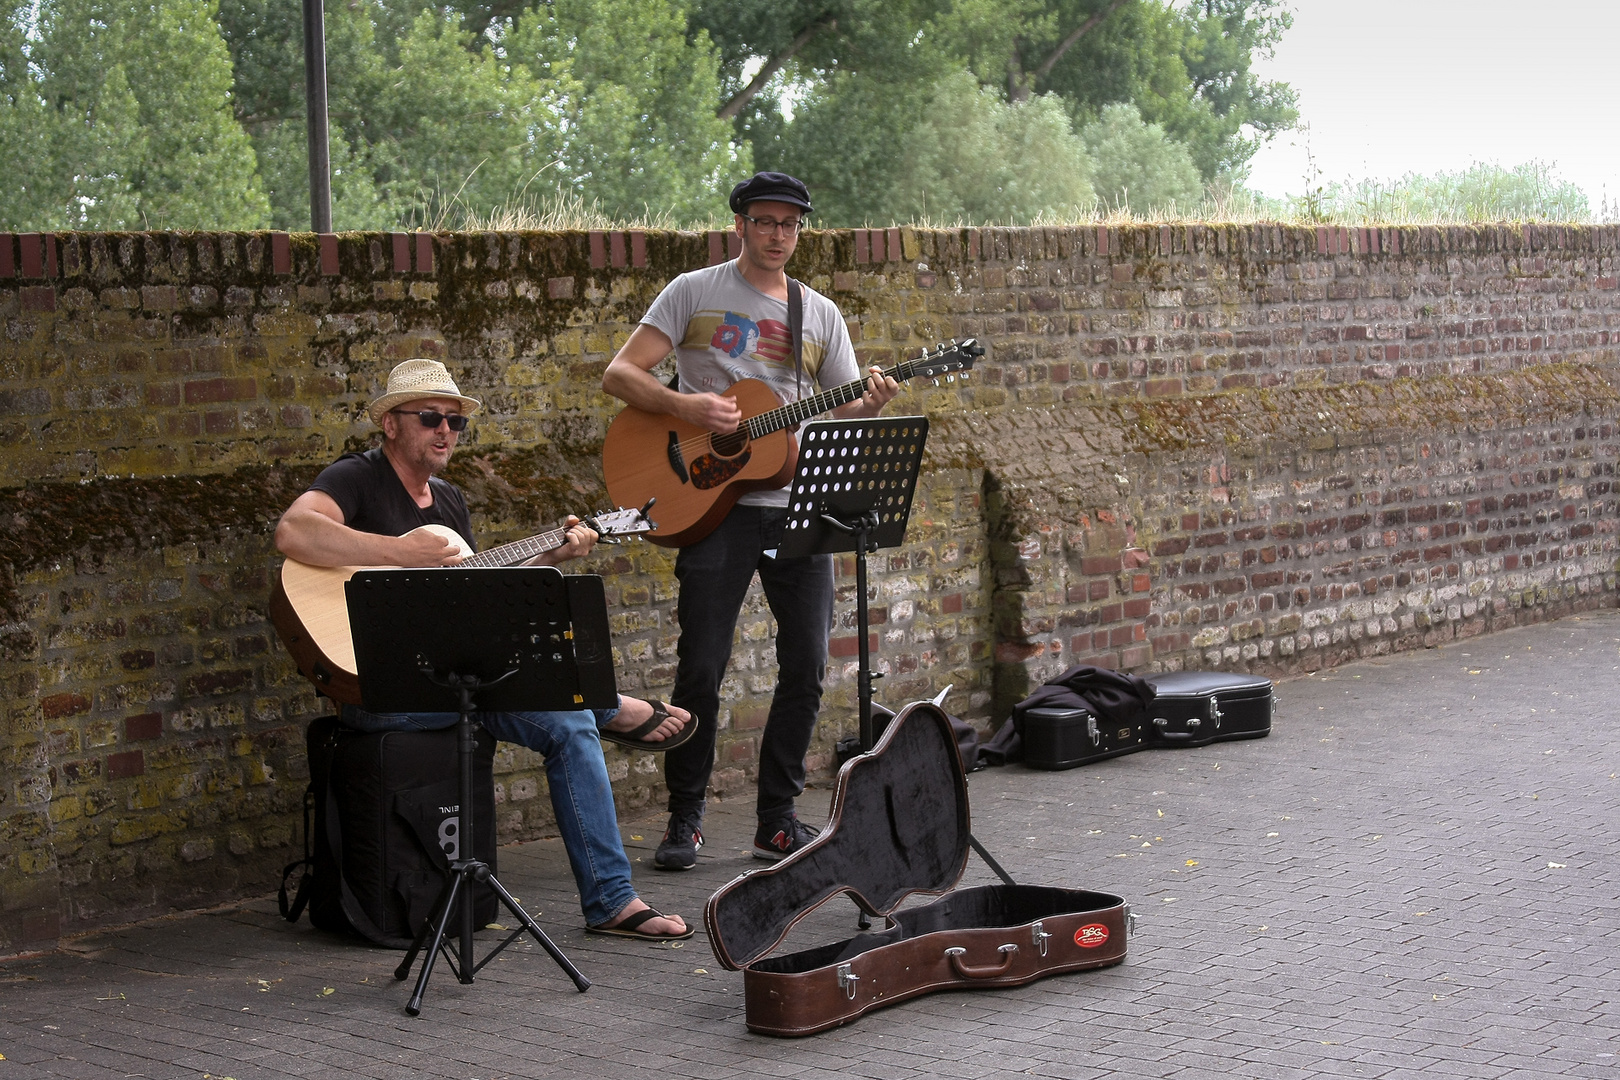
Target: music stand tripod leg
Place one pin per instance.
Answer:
(463, 873)
(538, 934)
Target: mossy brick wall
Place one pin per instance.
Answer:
(1256, 447)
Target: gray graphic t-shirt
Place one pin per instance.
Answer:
(726, 330)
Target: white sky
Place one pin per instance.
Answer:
(1396, 86)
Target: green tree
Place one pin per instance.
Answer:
(844, 142)
(267, 53)
(863, 73)
(357, 200)
(1482, 192)
(155, 149)
(468, 108)
(978, 159)
(638, 95)
(860, 76)
(1137, 165)
(457, 121)
(1186, 68)
(31, 197)
(815, 39)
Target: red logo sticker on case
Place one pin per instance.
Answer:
(1091, 935)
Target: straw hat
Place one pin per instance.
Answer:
(414, 380)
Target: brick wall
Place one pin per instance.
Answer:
(1248, 447)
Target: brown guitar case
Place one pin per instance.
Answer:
(898, 826)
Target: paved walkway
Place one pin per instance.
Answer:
(1418, 872)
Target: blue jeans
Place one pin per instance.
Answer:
(714, 575)
(581, 794)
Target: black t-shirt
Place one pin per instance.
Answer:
(372, 498)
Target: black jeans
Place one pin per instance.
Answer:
(714, 575)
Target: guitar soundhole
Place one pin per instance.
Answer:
(729, 445)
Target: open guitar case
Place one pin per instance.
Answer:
(899, 825)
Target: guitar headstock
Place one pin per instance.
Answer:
(946, 359)
(620, 522)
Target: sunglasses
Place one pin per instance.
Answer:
(431, 419)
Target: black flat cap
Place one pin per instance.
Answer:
(775, 186)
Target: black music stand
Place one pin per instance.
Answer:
(465, 640)
(852, 492)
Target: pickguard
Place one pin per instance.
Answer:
(711, 471)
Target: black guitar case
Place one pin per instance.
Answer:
(898, 826)
(1196, 708)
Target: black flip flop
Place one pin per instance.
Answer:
(635, 738)
(631, 928)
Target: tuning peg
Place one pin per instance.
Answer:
(936, 382)
(950, 378)
(964, 376)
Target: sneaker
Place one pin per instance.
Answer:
(679, 848)
(776, 840)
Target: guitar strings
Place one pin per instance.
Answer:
(698, 443)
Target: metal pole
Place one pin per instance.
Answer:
(320, 155)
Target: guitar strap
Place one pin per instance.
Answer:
(796, 330)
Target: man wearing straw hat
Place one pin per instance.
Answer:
(362, 509)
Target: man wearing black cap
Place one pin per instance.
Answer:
(726, 323)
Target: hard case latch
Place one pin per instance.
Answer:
(847, 980)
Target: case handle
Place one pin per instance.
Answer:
(964, 971)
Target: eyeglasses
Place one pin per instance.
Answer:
(431, 419)
(770, 225)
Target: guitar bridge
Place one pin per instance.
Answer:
(677, 460)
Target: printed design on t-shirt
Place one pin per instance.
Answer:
(768, 339)
(705, 366)
(735, 334)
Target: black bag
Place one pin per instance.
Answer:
(385, 814)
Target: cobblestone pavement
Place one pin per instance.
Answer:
(1418, 871)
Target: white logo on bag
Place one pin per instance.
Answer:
(450, 838)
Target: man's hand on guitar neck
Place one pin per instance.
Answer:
(580, 540)
(880, 390)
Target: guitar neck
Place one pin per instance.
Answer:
(803, 409)
(519, 550)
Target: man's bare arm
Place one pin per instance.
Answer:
(629, 378)
(313, 531)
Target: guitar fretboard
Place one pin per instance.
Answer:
(803, 409)
(519, 550)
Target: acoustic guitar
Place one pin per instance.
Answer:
(311, 612)
(697, 476)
